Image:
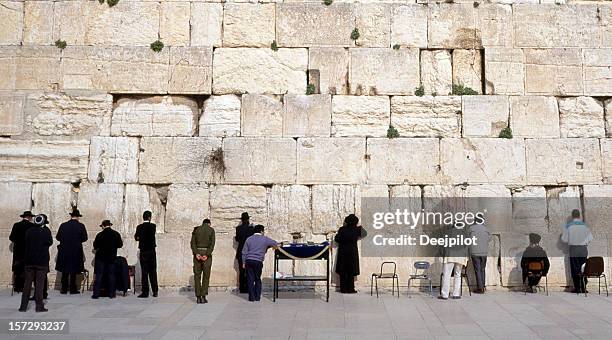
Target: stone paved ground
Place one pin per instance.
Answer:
(497, 315)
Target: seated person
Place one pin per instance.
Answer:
(534, 253)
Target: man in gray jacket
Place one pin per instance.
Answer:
(478, 252)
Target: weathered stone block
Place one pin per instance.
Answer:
(154, 116)
(98, 202)
(426, 116)
(336, 160)
(598, 72)
(15, 199)
(54, 200)
(581, 117)
(330, 205)
(190, 70)
(259, 160)
(529, 210)
(310, 24)
(409, 26)
(138, 199)
(484, 116)
(38, 23)
(307, 116)
(11, 19)
(29, 68)
(188, 205)
(606, 156)
(563, 161)
(504, 71)
(249, 25)
(206, 24)
(598, 208)
(482, 160)
(373, 21)
(221, 116)
(176, 159)
(560, 203)
(113, 160)
(260, 71)
(467, 69)
(174, 26)
(534, 116)
(227, 202)
(39, 161)
(376, 71)
(389, 163)
(289, 210)
(553, 71)
(11, 113)
(436, 71)
(332, 64)
(360, 116)
(261, 115)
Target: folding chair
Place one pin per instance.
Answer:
(421, 272)
(463, 274)
(594, 268)
(535, 268)
(382, 275)
(85, 282)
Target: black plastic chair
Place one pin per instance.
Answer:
(535, 268)
(382, 275)
(463, 274)
(594, 268)
(421, 272)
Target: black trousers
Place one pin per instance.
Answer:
(480, 264)
(242, 279)
(532, 280)
(148, 267)
(578, 257)
(347, 283)
(36, 275)
(18, 275)
(253, 273)
(104, 271)
(69, 282)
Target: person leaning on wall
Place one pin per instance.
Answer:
(347, 261)
(577, 235)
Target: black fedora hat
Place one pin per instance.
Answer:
(244, 216)
(26, 214)
(76, 213)
(106, 223)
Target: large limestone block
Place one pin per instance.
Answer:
(15, 199)
(436, 71)
(307, 115)
(504, 71)
(98, 202)
(376, 71)
(259, 160)
(154, 116)
(261, 115)
(330, 205)
(360, 116)
(11, 19)
(534, 116)
(174, 26)
(140, 198)
(289, 210)
(332, 64)
(249, 25)
(172, 266)
(598, 71)
(373, 21)
(606, 156)
(310, 24)
(39, 161)
(598, 208)
(190, 70)
(553, 71)
(529, 210)
(482, 160)
(563, 161)
(188, 205)
(38, 23)
(11, 113)
(560, 203)
(54, 200)
(467, 69)
(227, 202)
(409, 25)
(426, 116)
(581, 117)
(113, 160)
(484, 116)
(331, 160)
(115, 69)
(221, 116)
(74, 115)
(252, 70)
(176, 159)
(389, 163)
(551, 25)
(206, 24)
(29, 68)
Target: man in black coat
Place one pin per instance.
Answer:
(18, 238)
(347, 261)
(106, 244)
(145, 235)
(70, 256)
(38, 239)
(243, 231)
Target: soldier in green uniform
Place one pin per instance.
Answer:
(202, 245)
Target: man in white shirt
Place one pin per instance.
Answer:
(577, 235)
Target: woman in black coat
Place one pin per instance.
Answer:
(347, 262)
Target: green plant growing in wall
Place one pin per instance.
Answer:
(506, 133)
(274, 46)
(461, 90)
(419, 91)
(310, 89)
(101, 1)
(434, 93)
(392, 132)
(396, 46)
(157, 46)
(355, 34)
(112, 3)
(61, 44)
(328, 2)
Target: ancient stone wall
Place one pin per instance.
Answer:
(299, 97)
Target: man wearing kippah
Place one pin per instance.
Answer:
(577, 235)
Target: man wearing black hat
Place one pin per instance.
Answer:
(70, 256)
(38, 239)
(243, 231)
(145, 235)
(18, 238)
(105, 245)
(534, 253)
